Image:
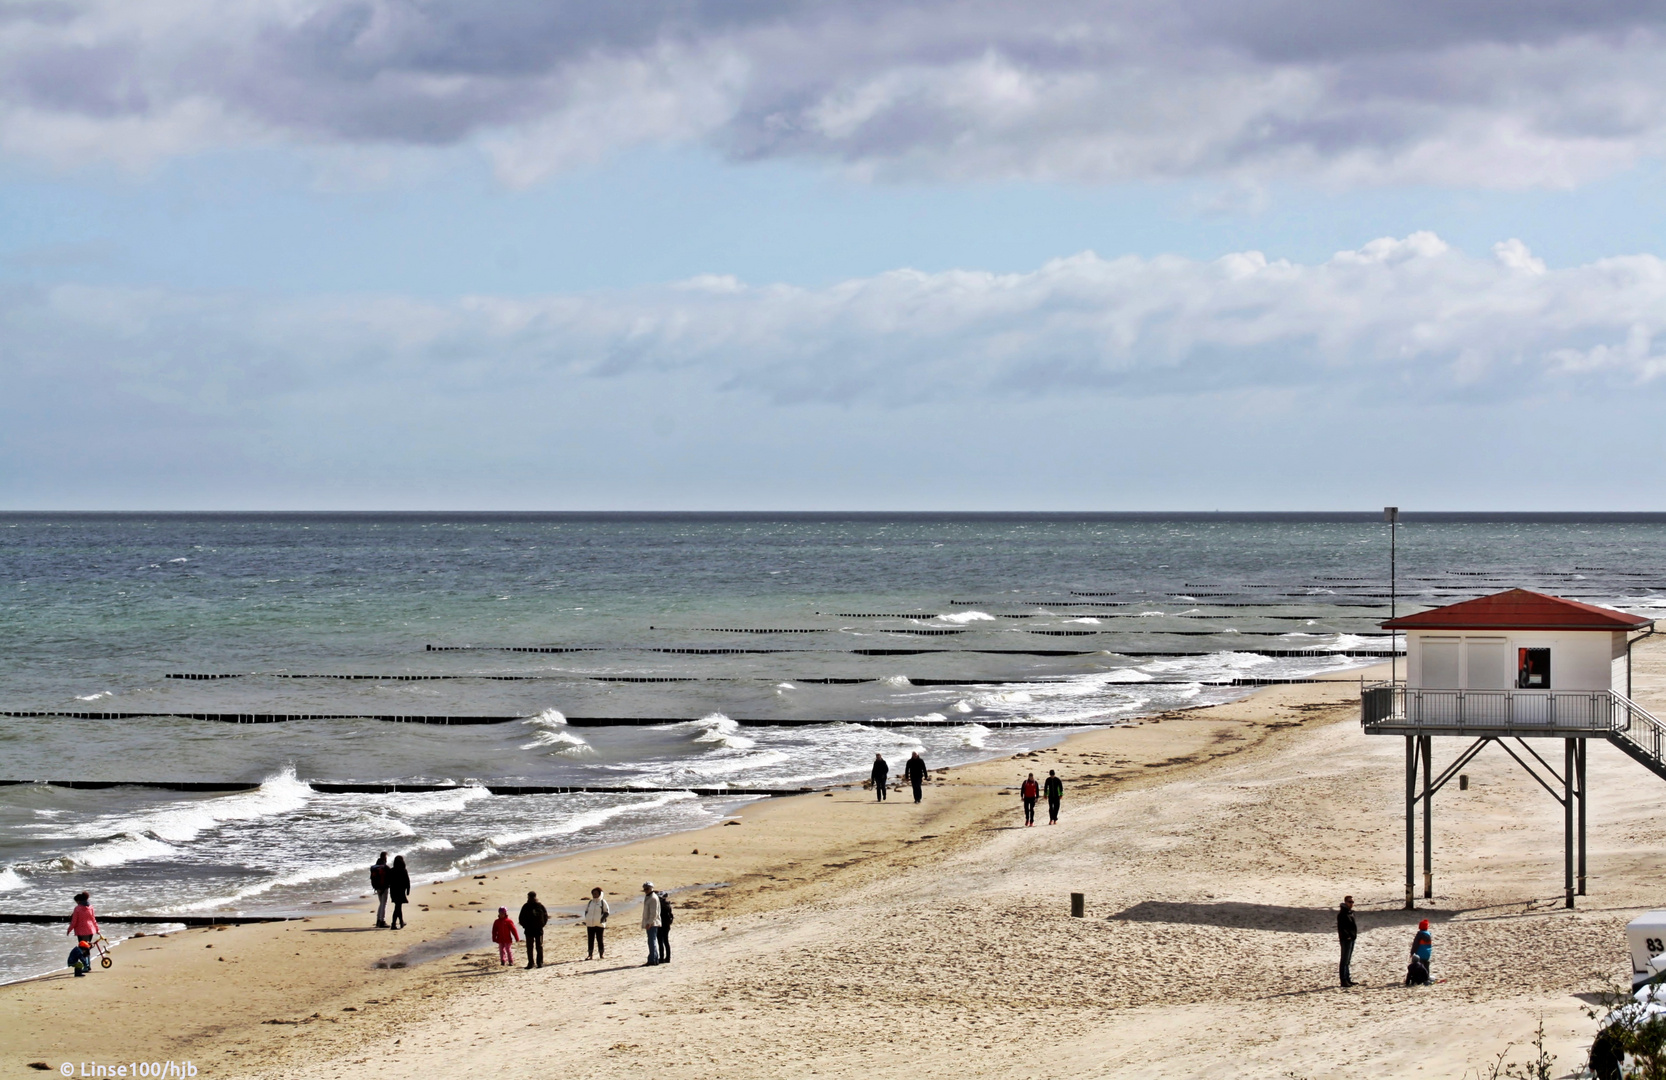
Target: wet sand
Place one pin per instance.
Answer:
(852, 937)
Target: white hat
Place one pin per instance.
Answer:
(647, 885)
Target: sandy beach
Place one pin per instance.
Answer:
(832, 935)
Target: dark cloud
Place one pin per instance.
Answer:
(1485, 92)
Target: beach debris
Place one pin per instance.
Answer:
(39, 1065)
(696, 851)
(731, 823)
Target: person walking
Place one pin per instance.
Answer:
(533, 918)
(1054, 789)
(379, 884)
(650, 921)
(1347, 931)
(915, 771)
(880, 772)
(399, 890)
(1029, 792)
(595, 925)
(503, 932)
(665, 917)
(83, 925)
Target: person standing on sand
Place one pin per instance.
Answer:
(379, 884)
(665, 917)
(915, 770)
(1054, 787)
(399, 890)
(650, 921)
(83, 924)
(595, 925)
(534, 917)
(503, 932)
(1347, 931)
(1029, 792)
(880, 772)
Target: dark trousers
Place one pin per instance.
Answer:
(1052, 809)
(664, 933)
(879, 790)
(534, 946)
(916, 784)
(398, 914)
(593, 943)
(1347, 957)
(1029, 811)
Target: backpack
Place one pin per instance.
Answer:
(379, 876)
(1417, 973)
(665, 915)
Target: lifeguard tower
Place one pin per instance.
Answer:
(1513, 666)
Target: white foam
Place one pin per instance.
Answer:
(423, 803)
(10, 879)
(719, 729)
(962, 706)
(182, 822)
(974, 736)
(559, 742)
(963, 617)
(122, 850)
(1085, 621)
(548, 718)
(588, 819)
(895, 680)
(94, 697)
(785, 686)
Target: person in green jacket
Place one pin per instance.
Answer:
(1054, 790)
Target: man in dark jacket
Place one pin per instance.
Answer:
(881, 772)
(915, 770)
(533, 918)
(664, 928)
(379, 884)
(1054, 789)
(1346, 931)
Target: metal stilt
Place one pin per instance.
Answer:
(1428, 818)
(1411, 819)
(1567, 818)
(1580, 751)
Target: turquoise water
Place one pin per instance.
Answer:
(98, 611)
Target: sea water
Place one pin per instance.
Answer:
(840, 619)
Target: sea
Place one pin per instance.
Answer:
(957, 636)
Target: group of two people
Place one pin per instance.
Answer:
(914, 771)
(1029, 791)
(657, 917)
(1347, 932)
(390, 883)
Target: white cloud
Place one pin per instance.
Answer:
(1410, 315)
(1419, 91)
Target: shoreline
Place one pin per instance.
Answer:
(199, 967)
(347, 901)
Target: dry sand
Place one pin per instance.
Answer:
(855, 938)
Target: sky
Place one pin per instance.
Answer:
(763, 254)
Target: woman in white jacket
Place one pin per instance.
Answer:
(650, 921)
(595, 923)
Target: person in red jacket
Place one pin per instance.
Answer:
(1031, 791)
(505, 934)
(83, 923)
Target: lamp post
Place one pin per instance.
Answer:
(1391, 514)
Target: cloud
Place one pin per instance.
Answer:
(1409, 317)
(1469, 94)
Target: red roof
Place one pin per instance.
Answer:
(1519, 609)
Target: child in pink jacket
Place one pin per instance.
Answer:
(505, 934)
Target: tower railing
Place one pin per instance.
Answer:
(1595, 713)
